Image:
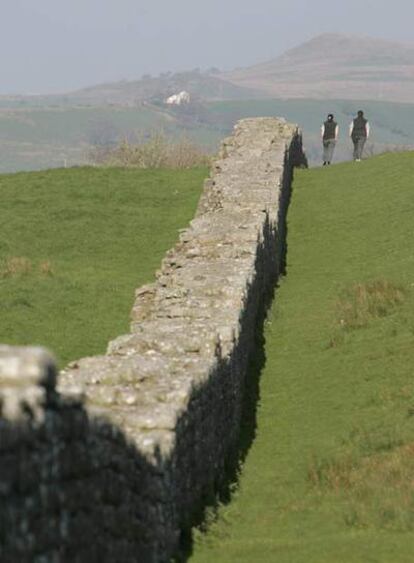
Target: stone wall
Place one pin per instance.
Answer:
(114, 459)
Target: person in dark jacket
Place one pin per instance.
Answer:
(359, 133)
(329, 133)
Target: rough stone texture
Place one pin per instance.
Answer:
(114, 464)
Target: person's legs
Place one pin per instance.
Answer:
(330, 151)
(325, 152)
(360, 147)
(355, 155)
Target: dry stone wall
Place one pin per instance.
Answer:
(112, 459)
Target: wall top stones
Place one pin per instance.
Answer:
(189, 319)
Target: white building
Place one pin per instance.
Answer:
(179, 99)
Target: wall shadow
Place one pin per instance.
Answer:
(72, 488)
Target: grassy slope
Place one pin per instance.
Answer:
(328, 393)
(45, 137)
(104, 233)
(68, 125)
(34, 138)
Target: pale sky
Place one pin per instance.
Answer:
(51, 46)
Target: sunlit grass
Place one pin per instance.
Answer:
(329, 477)
(76, 243)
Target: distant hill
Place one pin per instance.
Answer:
(331, 73)
(201, 85)
(330, 66)
(335, 66)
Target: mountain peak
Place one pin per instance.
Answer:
(341, 46)
(336, 65)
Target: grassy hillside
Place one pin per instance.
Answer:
(335, 65)
(329, 475)
(36, 138)
(204, 85)
(76, 243)
(329, 66)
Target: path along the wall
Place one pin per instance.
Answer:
(112, 460)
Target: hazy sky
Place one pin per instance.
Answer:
(59, 45)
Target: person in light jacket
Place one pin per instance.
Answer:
(359, 132)
(329, 134)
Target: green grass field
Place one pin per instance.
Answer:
(75, 244)
(329, 477)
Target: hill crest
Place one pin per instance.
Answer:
(328, 66)
(334, 65)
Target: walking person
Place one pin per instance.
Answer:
(359, 133)
(329, 133)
